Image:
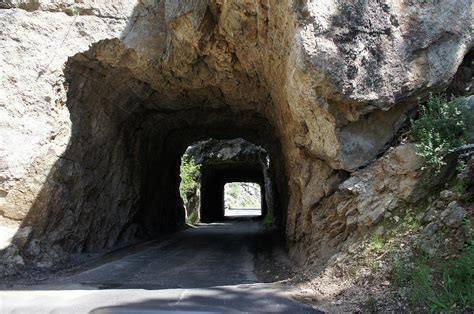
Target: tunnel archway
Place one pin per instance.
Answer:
(119, 176)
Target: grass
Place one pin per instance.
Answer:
(421, 283)
(269, 220)
(376, 243)
(374, 266)
(400, 272)
(371, 305)
(193, 217)
(439, 284)
(457, 281)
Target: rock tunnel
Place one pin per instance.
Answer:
(130, 91)
(119, 175)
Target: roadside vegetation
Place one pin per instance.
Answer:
(437, 282)
(441, 128)
(190, 173)
(443, 280)
(192, 218)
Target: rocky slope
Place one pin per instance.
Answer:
(99, 101)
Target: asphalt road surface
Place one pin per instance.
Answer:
(208, 269)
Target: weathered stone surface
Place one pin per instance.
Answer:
(453, 215)
(226, 151)
(96, 109)
(427, 241)
(364, 200)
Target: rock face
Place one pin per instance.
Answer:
(213, 152)
(99, 101)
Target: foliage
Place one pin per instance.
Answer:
(440, 284)
(30, 5)
(269, 220)
(374, 266)
(400, 271)
(422, 282)
(461, 186)
(457, 280)
(192, 218)
(189, 173)
(376, 243)
(440, 128)
(410, 221)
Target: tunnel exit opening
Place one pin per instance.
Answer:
(225, 179)
(242, 200)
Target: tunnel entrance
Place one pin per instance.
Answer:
(118, 178)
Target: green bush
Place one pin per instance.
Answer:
(189, 173)
(440, 128)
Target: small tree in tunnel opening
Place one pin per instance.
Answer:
(189, 187)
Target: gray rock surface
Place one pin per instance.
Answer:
(453, 215)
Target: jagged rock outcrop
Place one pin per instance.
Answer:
(99, 101)
(212, 152)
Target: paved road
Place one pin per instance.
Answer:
(208, 269)
(242, 212)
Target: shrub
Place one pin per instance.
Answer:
(189, 173)
(440, 128)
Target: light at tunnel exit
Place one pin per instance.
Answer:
(242, 199)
